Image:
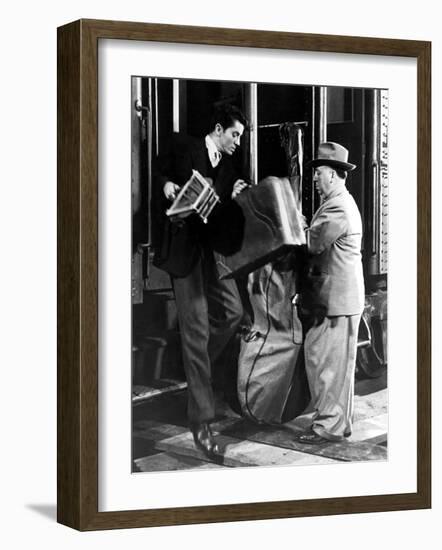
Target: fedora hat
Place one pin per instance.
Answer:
(333, 155)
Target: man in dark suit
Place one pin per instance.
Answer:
(209, 310)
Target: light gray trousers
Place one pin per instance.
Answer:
(330, 359)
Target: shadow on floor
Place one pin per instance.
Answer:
(48, 511)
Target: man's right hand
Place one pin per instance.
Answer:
(170, 190)
(238, 187)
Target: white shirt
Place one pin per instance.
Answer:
(212, 149)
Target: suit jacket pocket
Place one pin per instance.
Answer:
(178, 252)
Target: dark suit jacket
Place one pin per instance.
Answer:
(177, 247)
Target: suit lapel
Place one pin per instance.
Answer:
(200, 157)
(200, 162)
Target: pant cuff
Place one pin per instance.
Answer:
(319, 430)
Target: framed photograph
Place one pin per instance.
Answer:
(244, 293)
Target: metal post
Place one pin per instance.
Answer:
(251, 108)
(176, 105)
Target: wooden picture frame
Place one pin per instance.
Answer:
(77, 460)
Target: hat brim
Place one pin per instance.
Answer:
(347, 166)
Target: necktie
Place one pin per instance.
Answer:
(216, 158)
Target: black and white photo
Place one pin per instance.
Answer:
(259, 274)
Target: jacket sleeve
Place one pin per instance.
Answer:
(326, 229)
(174, 164)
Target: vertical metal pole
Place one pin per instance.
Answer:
(176, 105)
(136, 94)
(319, 131)
(251, 108)
(374, 167)
(149, 160)
(136, 143)
(157, 145)
(137, 183)
(322, 134)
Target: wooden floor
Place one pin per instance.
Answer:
(162, 441)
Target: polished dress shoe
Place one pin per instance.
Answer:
(205, 440)
(312, 438)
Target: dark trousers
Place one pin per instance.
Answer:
(209, 312)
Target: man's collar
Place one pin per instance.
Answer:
(337, 190)
(212, 149)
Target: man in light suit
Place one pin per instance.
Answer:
(334, 246)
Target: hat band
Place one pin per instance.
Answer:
(330, 157)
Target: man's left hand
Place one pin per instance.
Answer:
(238, 187)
